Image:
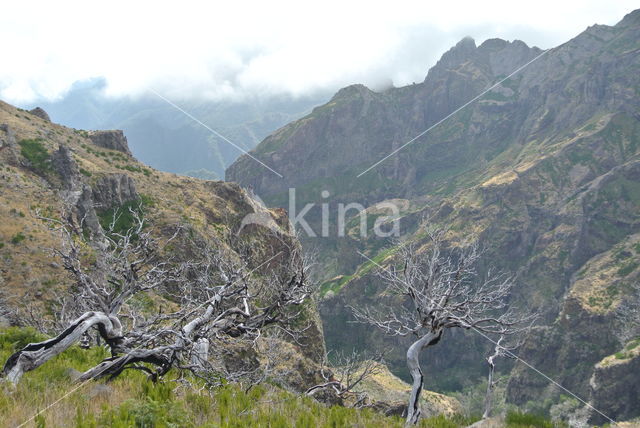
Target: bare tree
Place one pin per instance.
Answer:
(441, 291)
(346, 374)
(215, 299)
(501, 349)
(628, 313)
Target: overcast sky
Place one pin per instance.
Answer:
(238, 48)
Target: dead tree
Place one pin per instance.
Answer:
(441, 291)
(106, 274)
(501, 349)
(345, 375)
(215, 298)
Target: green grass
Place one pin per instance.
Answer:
(37, 154)
(132, 168)
(133, 401)
(628, 268)
(626, 352)
(124, 214)
(527, 420)
(18, 238)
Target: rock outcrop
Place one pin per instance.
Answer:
(74, 192)
(113, 139)
(39, 112)
(615, 385)
(8, 145)
(114, 190)
(64, 164)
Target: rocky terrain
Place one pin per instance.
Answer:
(543, 171)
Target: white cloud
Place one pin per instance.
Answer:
(218, 49)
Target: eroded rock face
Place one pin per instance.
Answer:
(114, 190)
(615, 387)
(564, 351)
(74, 191)
(64, 164)
(8, 144)
(113, 139)
(39, 112)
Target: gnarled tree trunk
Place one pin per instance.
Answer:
(413, 363)
(489, 397)
(34, 355)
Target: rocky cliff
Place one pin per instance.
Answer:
(615, 385)
(543, 170)
(48, 170)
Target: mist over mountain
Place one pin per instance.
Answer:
(543, 171)
(165, 138)
(439, 243)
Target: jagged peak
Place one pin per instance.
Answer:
(498, 44)
(466, 43)
(462, 50)
(357, 89)
(493, 44)
(630, 19)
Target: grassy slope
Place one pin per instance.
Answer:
(131, 400)
(49, 398)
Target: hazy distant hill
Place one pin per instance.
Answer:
(166, 139)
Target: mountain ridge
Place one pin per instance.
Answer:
(542, 171)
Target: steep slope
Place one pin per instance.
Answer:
(544, 170)
(53, 169)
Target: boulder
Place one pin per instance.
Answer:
(113, 139)
(39, 112)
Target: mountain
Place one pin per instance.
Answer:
(165, 138)
(543, 170)
(48, 171)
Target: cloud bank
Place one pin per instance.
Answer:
(217, 50)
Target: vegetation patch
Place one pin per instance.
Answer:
(123, 217)
(35, 152)
(527, 420)
(132, 168)
(628, 351)
(18, 238)
(628, 268)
